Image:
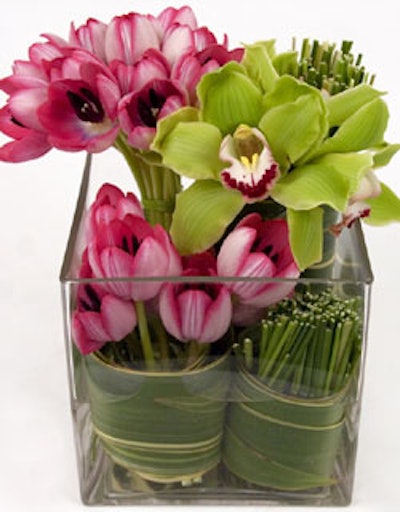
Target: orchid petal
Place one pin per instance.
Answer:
(229, 98)
(295, 120)
(259, 66)
(331, 180)
(306, 236)
(364, 129)
(191, 150)
(384, 209)
(345, 104)
(194, 228)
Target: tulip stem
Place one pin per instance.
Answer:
(145, 339)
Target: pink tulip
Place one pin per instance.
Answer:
(111, 203)
(172, 16)
(189, 68)
(151, 66)
(259, 250)
(80, 110)
(100, 317)
(129, 36)
(27, 144)
(62, 97)
(140, 111)
(196, 310)
(131, 248)
(91, 37)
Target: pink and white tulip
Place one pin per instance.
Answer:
(139, 112)
(131, 248)
(259, 250)
(100, 317)
(110, 203)
(198, 311)
(129, 36)
(90, 36)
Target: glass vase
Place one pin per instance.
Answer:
(269, 415)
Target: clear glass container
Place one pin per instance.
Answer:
(268, 415)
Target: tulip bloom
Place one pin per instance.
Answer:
(131, 248)
(100, 317)
(111, 203)
(91, 37)
(198, 311)
(258, 249)
(140, 111)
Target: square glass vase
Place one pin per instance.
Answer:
(269, 414)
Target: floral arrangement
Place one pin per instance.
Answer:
(278, 153)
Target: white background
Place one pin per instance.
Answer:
(37, 460)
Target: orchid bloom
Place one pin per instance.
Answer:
(110, 203)
(100, 317)
(358, 208)
(258, 249)
(253, 170)
(198, 311)
(131, 248)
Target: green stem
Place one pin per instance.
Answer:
(162, 339)
(145, 339)
(158, 185)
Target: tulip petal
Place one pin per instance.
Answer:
(235, 248)
(169, 311)
(193, 306)
(119, 317)
(218, 318)
(85, 344)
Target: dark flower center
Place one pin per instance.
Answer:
(86, 105)
(130, 245)
(149, 108)
(92, 301)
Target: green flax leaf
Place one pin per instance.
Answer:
(196, 228)
(385, 208)
(228, 98)
(306, 236)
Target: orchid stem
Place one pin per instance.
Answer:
(145, 339)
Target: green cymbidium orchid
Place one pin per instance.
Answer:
(322, 146)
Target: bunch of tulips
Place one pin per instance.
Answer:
(122, 243)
